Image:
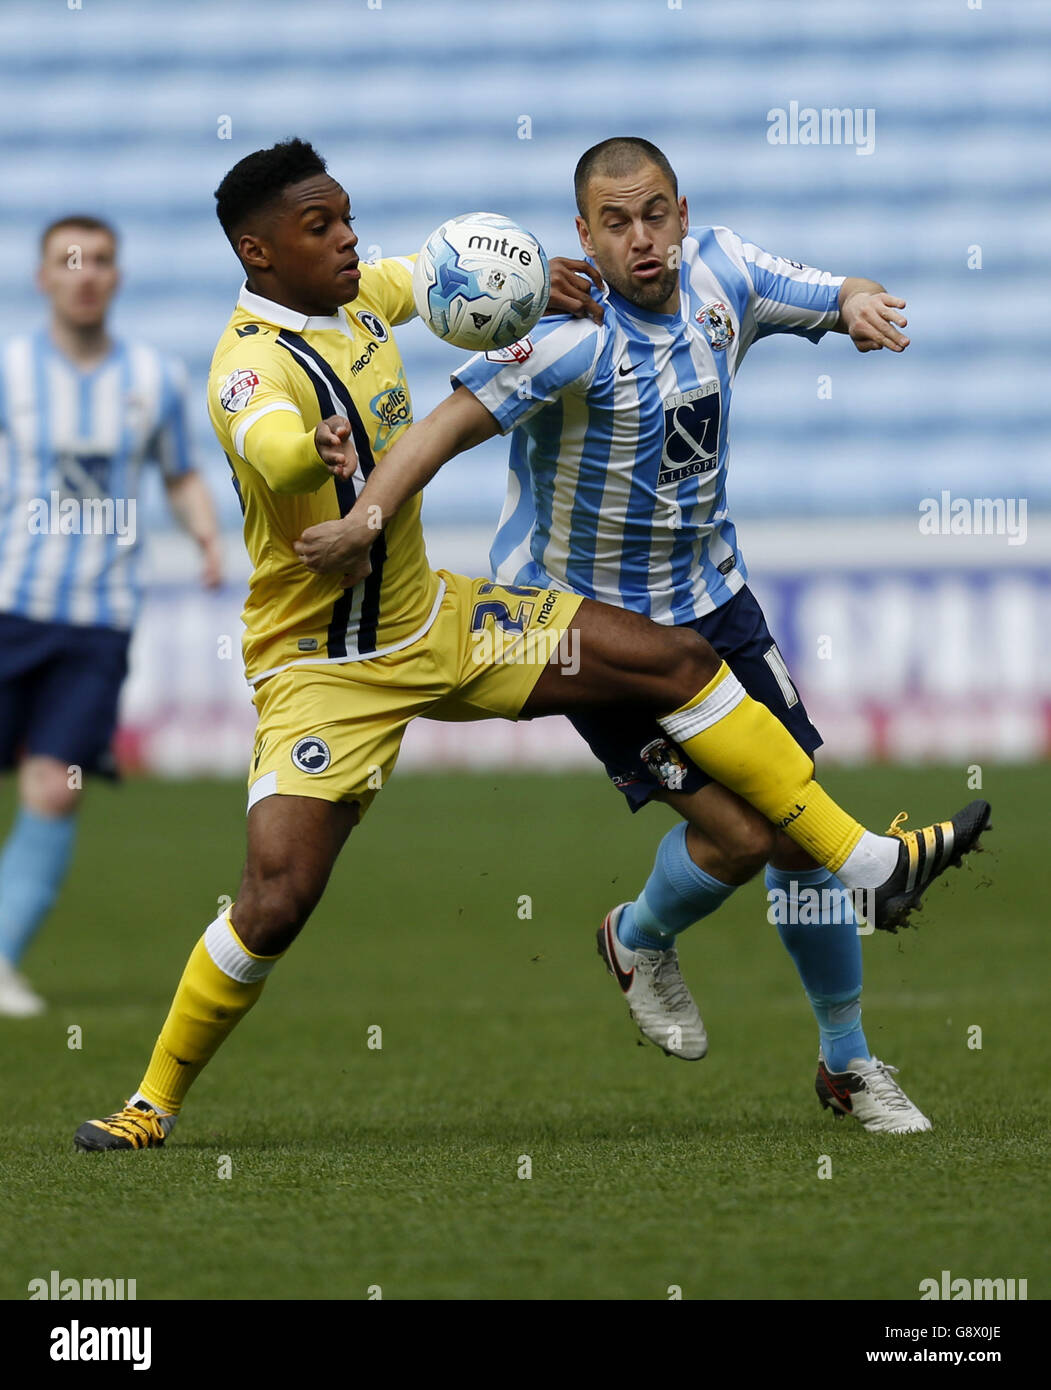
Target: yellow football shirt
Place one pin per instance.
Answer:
(272, 365)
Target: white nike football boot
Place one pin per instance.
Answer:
(868, 1091)
(17, 999)
(658, 999)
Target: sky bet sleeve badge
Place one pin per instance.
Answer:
(236, 390)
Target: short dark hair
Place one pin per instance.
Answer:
(622, 154)
(85, 222)
(261, 178)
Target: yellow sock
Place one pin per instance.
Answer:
(208, 1003)
(736, 740)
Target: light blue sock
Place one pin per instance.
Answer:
(814, 915)
(33, 865)
(676, 894)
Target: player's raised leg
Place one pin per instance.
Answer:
(738, 742)
(293, 842)
(673, 671)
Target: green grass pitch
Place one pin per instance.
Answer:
(503, 1038)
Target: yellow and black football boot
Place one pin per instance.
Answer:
(922, 856)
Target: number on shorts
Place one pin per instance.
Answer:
(501, 615)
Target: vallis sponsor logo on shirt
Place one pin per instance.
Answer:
(237, 390)
(517, 352)
(391, 406)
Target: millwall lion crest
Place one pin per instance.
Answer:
(714, 318)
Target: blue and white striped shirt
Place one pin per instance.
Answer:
(72, 447)
(617, 483)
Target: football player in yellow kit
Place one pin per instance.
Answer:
(307, 393)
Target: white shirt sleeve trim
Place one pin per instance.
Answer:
(246, 424)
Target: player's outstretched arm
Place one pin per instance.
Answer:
(342, 547)
(868, 314)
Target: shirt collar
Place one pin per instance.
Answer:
(270, 312)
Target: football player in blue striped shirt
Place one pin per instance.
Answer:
(81, 413)
(617, 492)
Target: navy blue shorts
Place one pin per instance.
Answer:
(59, 687)
(640, 757)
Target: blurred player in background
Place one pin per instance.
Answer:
(81, 412)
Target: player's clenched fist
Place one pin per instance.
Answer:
(337, 547)
(870, 320)
(335, 447)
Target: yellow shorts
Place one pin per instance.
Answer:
(334, 731)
